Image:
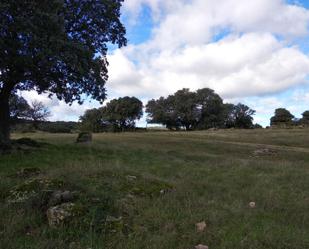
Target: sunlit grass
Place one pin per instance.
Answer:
(213, 177)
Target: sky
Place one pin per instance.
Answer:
(255, 52)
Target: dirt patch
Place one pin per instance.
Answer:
(264, 152)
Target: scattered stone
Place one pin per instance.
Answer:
(252, 204)
(84, 137)
(57, 215)
(28, 172)
(200, 246)
(32, 188)
(131, 178)
(201, 226)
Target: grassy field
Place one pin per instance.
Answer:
(148, 190)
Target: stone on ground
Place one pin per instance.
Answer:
(201, 226)
(201, 247)
(84, 137)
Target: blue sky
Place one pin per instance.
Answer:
(255, 52)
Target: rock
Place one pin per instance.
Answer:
(32, 188)
(201, 226)
(84, 137)
(59, 197)
(57, 215)
(200, 246)
(131, 178)
(74, 245)
(252, 204)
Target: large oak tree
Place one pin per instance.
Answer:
(56, 46)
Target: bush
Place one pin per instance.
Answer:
(58, 127)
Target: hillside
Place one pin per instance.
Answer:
(149, 190)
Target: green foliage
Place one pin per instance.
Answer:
(58, 127)
(53, 45)
(161, 111)
(92, 120)
(118, 115)
(282, 118)
(239, 116)
(19, 108)
(212, 113)
(123, 112)
(305, 118)
(257, 126)
(202, 109)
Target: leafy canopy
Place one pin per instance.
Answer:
(202, 109)
(58, 46)
(118, 115)
(19, 107)
(282, 116)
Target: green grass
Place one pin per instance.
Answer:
(206, 176)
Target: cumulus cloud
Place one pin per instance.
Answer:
(197, 21)
(236, 66)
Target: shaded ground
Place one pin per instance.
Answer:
(148, 190)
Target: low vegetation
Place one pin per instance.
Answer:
(224, 189)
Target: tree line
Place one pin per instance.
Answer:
(199, 110)
(284, 118)
(183, 110)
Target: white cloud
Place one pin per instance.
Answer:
(197, 21)
(236, 66)
(59, 109)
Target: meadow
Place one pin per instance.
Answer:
(149, 190)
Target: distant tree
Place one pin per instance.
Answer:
(257, 126)
(239, 116)
(118, 115)
(123, 112)
(92, 120)
(185, 110)
(305, 118)
(19, 108)
(282, 118)
(175, 111)
(211, 109)
(37, 113)
(56, 46)
(162, 111)
(202, 109)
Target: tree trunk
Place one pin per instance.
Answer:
(4, 120)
